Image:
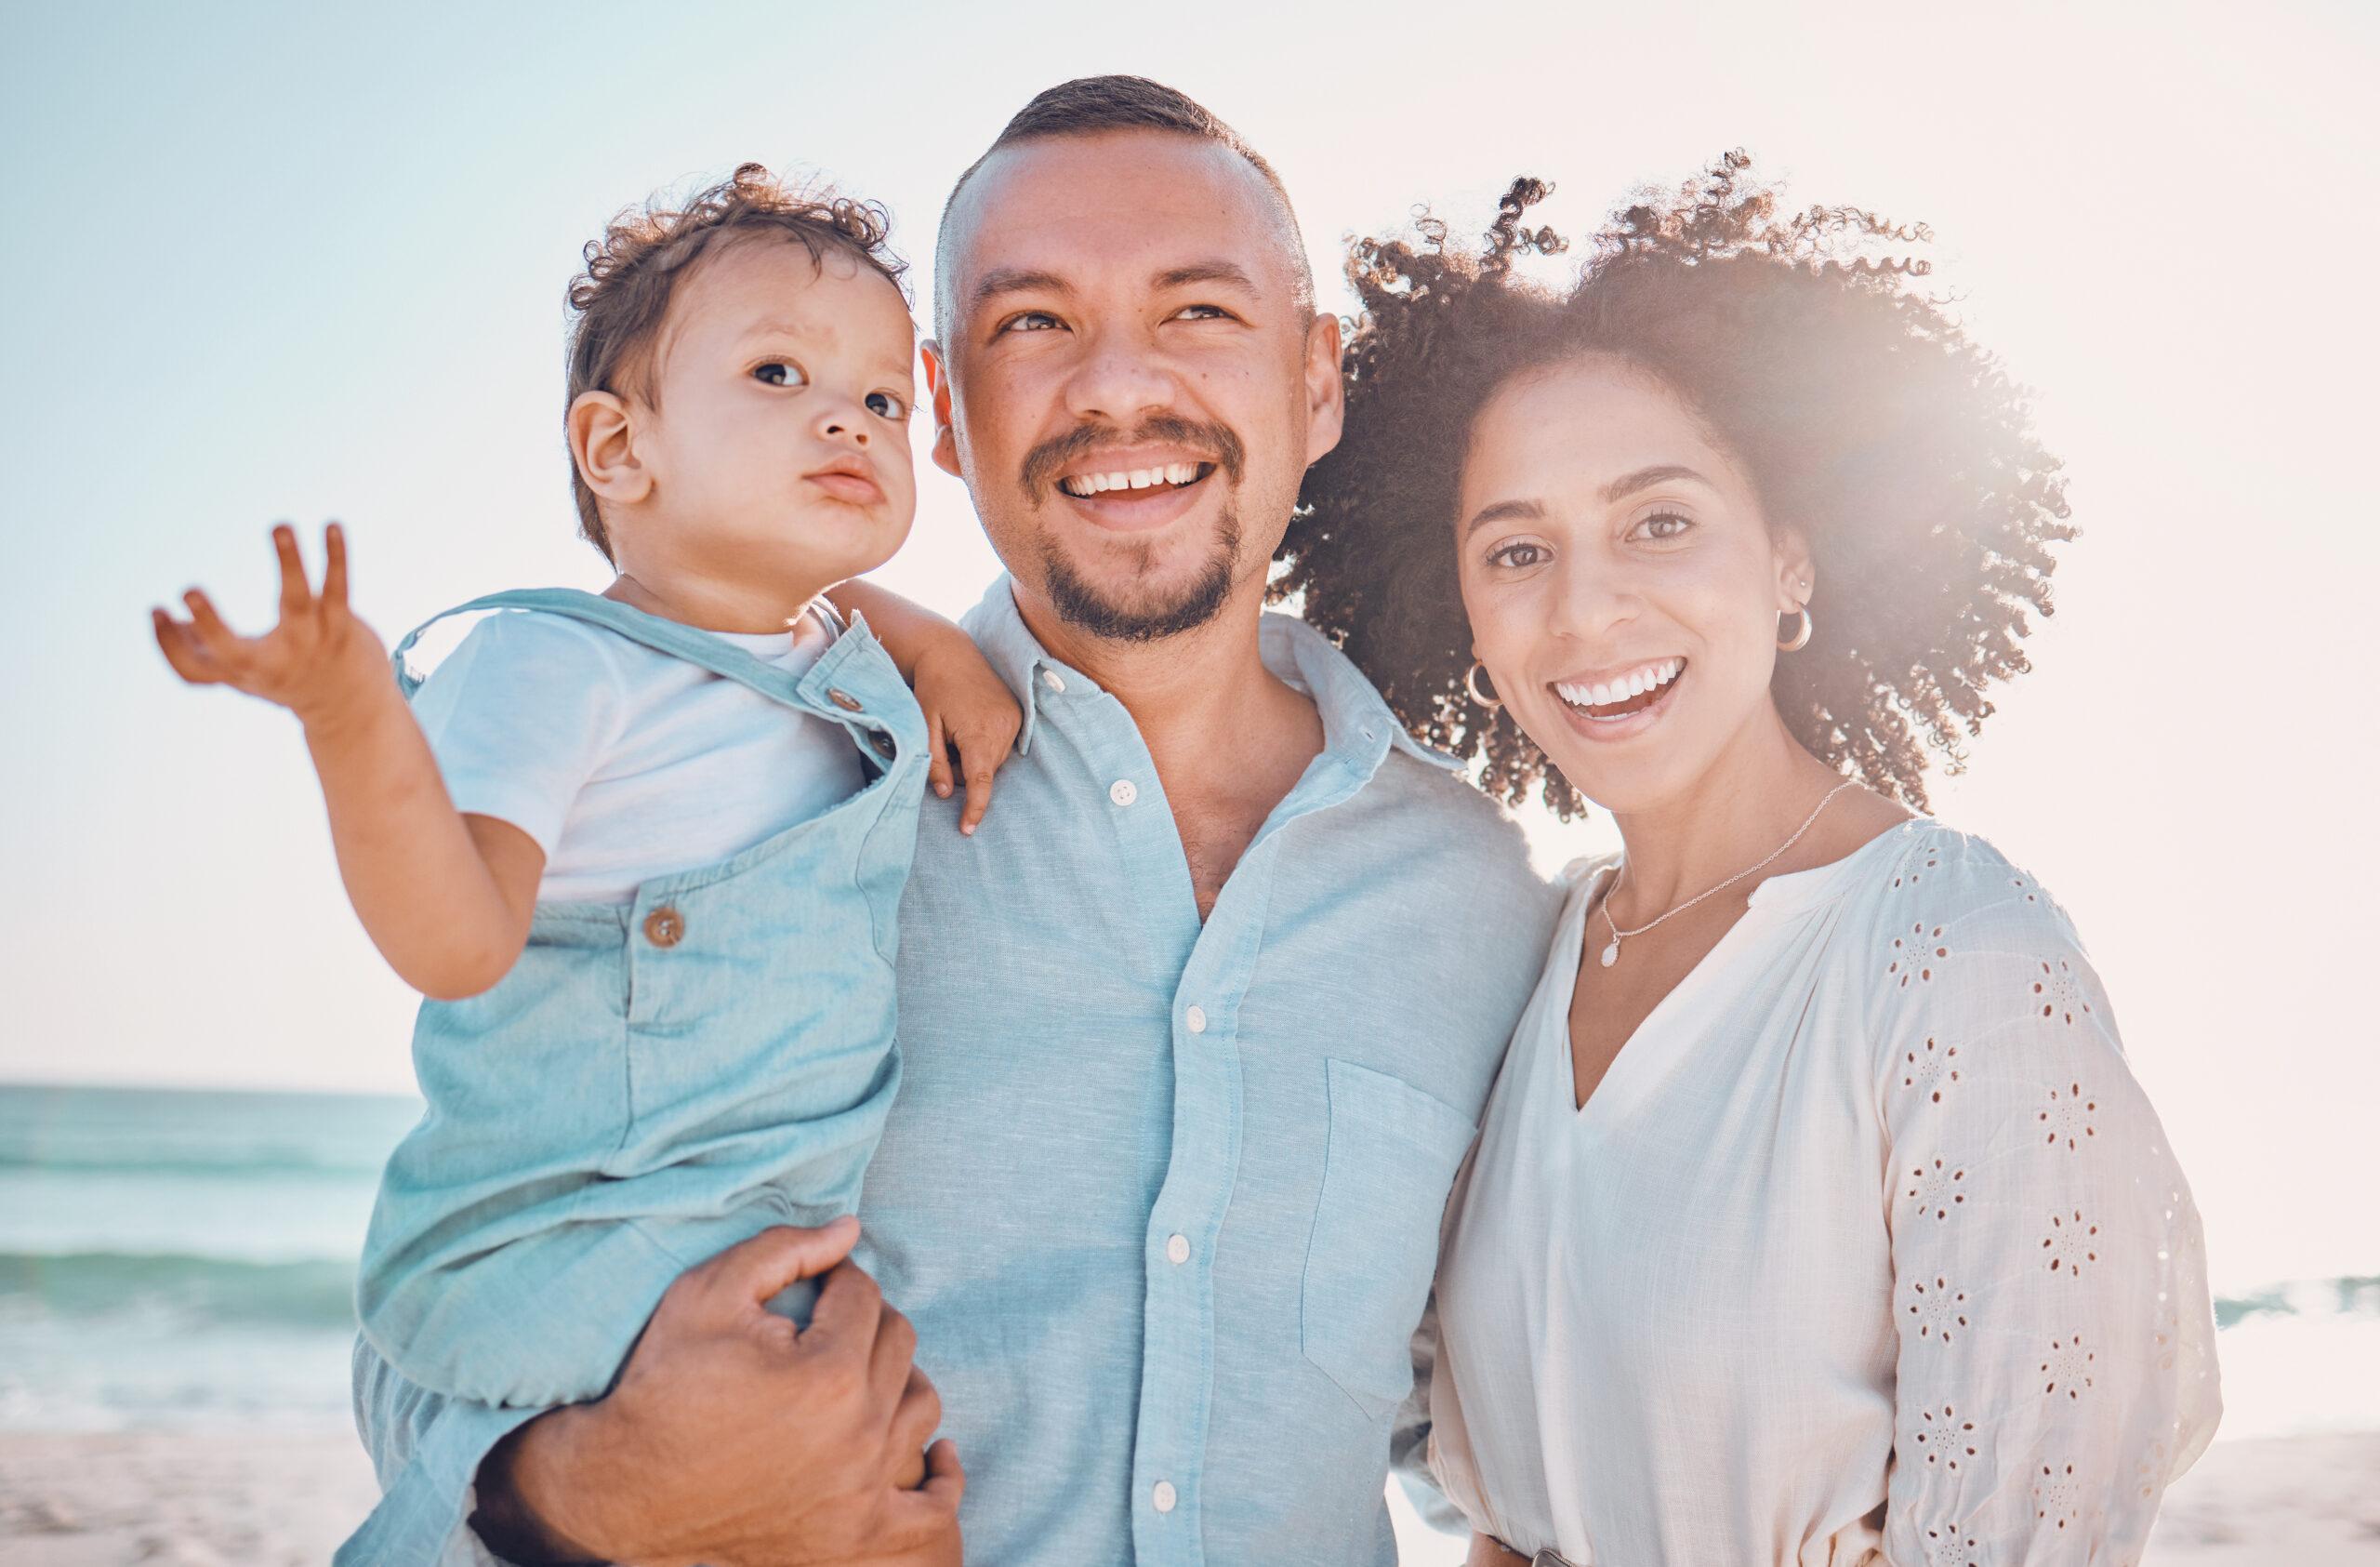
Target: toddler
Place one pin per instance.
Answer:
(643, 852)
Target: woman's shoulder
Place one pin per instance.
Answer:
(1930, 873)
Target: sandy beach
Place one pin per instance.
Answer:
(233, 1498)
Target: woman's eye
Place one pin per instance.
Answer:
(1030, 321)
(1663, 525)
(883, 405)
(1518, 555)
(780, 372)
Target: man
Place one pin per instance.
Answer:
(1196, 1027)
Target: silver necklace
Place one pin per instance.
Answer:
(1611, 953)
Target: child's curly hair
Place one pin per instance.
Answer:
(619, 301)
(1855, 404)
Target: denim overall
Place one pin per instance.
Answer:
(652, 1082)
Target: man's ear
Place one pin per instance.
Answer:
(1326, 394)
(602, 442)
(946, 433)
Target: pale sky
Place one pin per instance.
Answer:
(308, 261)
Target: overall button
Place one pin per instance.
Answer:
(883, 744)
(1123, 792)
(1163, 1497)
(843, 700)
(665, 926)
(1177, 1249)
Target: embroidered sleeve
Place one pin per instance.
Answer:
(2055, 1364)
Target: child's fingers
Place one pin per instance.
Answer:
(980, 758)
(335, 566)
(181, 652)
(938, 756)
(214, 636)
(295, 596)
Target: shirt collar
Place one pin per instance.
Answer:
(1357, 726)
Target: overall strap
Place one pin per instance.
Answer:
(697, 647)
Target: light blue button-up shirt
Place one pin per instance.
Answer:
(1162, 1196)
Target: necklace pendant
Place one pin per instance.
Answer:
(1611, 954)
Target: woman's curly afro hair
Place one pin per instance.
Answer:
(1853, 403)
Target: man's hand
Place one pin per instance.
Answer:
(733, 1440)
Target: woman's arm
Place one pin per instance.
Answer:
(1487, 1551)
(970, 710)
(2054, 1365)
(446, 897)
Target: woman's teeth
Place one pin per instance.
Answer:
(1082, 486)
(1623, 688)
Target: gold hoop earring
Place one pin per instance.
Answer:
(1802, 637)
(1487, 699)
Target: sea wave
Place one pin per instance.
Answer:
(195, 1292)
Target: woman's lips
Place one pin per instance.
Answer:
(1626, 719)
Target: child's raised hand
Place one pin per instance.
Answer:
(967, 710)
(317, 659)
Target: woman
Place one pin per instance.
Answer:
(1815, 1217)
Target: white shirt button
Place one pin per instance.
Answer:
(1054, 680)
(1197, 1018)
(1123, 792)
(1163, 1497)
(1177, 1249)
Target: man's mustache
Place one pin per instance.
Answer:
(1045, 461)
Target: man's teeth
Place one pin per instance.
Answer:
(1636, 683)
(1084, 485)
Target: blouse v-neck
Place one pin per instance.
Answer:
(1790, 892)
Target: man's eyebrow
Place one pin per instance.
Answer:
(1018, 280)
(1206, 272)
(1504, 511)
(1646, 478)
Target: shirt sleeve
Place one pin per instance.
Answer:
(2056, 1342)
(521, 715)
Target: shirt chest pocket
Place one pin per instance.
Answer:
(1389, 1162)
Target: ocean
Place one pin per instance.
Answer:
(180, 1258)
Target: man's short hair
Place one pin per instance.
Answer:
(1088, 106)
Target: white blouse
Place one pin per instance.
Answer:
(1867, 1248)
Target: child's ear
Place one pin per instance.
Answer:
(602, 442)
(945, 435)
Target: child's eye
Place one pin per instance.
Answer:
(780, 372)
(1663, 525)
(883, 405)
(1520, 555)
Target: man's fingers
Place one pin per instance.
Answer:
(174, 641)
(757, 1270)
(848, 1309)
(335, 566)
(919, 1514)
(919, 1415)
(938, 756)
(892, 1360)
(295, 595)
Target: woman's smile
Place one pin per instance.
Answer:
(1613, 707)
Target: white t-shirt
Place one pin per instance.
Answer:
(622, 763)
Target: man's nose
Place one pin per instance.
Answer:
(1117, 382)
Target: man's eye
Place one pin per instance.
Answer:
(1201, 312)
(1030, 321)
(883, 405)
(780, 372)
(1518, 555)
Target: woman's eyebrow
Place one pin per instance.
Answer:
(1646, 478)
(1504, 511)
